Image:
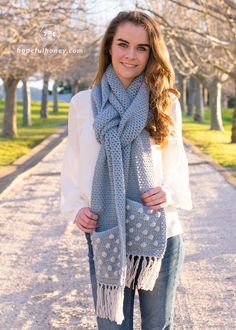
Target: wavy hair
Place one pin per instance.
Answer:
(159, 73)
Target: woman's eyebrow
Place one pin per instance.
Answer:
(120, 39)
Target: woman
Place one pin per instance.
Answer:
(125, 173)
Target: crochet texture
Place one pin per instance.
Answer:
(129, 233)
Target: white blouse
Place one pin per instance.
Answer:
(80, 155)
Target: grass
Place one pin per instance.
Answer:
(214, 143)
(28, 137)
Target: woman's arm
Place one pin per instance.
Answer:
(72, 199)
(175, 166)
(174, 190)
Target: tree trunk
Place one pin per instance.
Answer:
(233, 136)
(44, 103)
(184, 94)
(224, 100)
(9, 119)
(75, 87)
(205, 97)
(55, 97)
(182, 89)
(215, 105)
(199, 111)
(191, 95)
(26, 104)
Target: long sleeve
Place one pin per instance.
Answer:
(72, 197)
(175, 166)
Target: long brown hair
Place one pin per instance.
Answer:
(159, 73)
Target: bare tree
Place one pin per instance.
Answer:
(55, 96)
(26, 120)
(207, 45)
(34, 27)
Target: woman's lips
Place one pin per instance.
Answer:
(129, 66)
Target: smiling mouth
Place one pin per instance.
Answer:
(127, 65)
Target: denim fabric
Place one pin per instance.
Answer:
(157, 306)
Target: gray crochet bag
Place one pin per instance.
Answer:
(145, 229)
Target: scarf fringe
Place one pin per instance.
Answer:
(110, 302)
(148, 274)
(110, 297)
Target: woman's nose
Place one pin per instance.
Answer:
(131, 53)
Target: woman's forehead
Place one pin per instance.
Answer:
(131, 32)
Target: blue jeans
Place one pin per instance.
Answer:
(157, 306)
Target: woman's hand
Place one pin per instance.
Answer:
(155, 198)
(86, 220)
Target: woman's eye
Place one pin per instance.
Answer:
(142, 48)
(122, 45)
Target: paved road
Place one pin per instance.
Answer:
(44, 281)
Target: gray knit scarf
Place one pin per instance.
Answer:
(129, 232)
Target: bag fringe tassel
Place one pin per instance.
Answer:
(110, 302)
(110, 298)
(148, 274)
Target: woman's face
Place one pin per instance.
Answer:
(129, 51)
